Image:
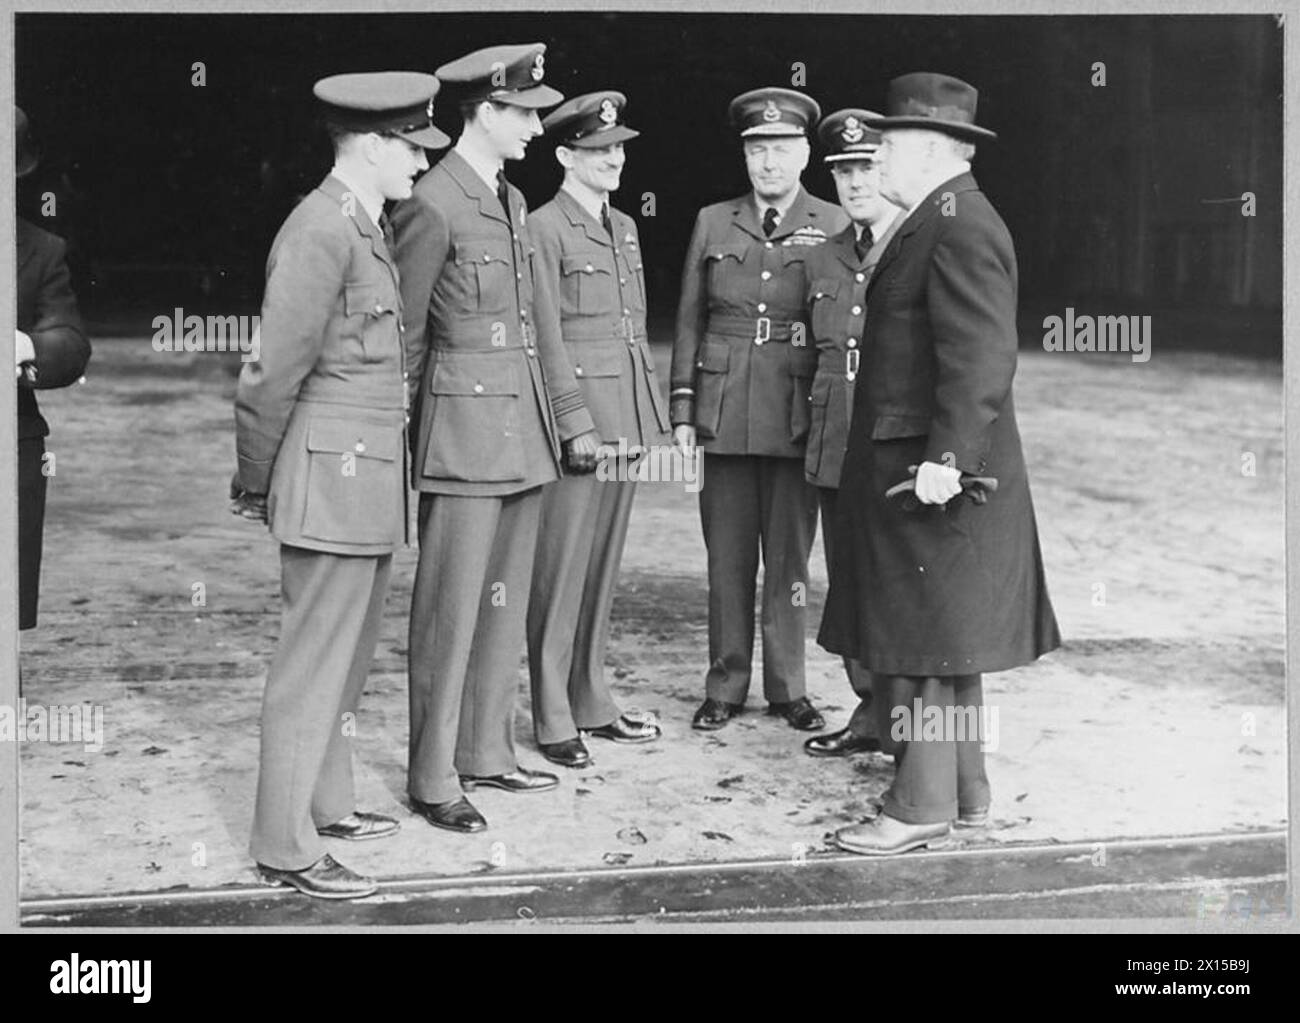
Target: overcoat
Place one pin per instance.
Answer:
(47, 313)
(735, 349)
(954, 589)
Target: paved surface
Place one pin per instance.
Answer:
(1162, 716)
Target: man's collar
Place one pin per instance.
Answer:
(782, 208)
(484, 168)
(882, 225)
(585, 198)
(958, 170)
(371, 201)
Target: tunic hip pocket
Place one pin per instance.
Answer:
(354, 482)
(801, 364)
(710, 382)
(474, 433)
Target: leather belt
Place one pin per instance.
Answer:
(760, 329)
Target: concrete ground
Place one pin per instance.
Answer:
(1159, 497)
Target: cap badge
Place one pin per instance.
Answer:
(770, 111)
(852, 130)
(538, 69)
(608, 112)
(428, 110)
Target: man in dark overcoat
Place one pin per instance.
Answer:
(932, 588)
(51, 350)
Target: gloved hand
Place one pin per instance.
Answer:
(937, 484)
(244, 504)
(580, 453)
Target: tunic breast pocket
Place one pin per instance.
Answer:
(725, 263)
(372, 319)
(474, 433)
(486, 274)
(587, 285)
(354, 482)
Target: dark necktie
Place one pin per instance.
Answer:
(503, 193)
(606, 222)
(863, 245)
(386, 226)
(769, 221)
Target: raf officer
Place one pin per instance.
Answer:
(319, 425)
(496, 399)
(589, 260)
(838, 274)
(740, 385)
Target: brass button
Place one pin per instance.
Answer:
(853, 342)
(578, 371)
(588, 268)
(762, 307)
(478, 388)
(532, 352)
(519, 276)
(856, 310)
(622, 280)
(378, 308)
(758, 340)
(360, 448)
(487, 258)
(627, 312)
(859, 277)
(767, 245)
(766, 275)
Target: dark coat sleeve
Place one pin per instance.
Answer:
(62, 349)
(971, 298)
(692, 318)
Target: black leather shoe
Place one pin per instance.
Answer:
(800, 714)
(324, 879)
(569, 753)
(519, 780)
(454, 815)
(627, 729)
(840, 744)
(360, 826)
(713, 714)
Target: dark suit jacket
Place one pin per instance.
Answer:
(47, 312)
(319, 416)
(497, 394)
(958, 589)
(743, 384)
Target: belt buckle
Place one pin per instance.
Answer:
(851, 362)
(763, 329)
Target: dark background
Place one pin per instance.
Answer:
(170, 194)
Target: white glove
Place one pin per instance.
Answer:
(24, 350)
(937, 484)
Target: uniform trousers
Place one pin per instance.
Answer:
(935, 778)
(468, 610)
(579, 547)
(332, 609)
(862, 723)
(752, 505)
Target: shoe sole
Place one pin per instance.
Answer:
(275, 882)
(924, 843)
(362, 838)
(625, 741)
(455, 827)
(565, 763)
(470, 786)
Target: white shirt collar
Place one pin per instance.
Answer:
(763, 205)
(961, 168)
(371, 201)
(882, 225)
(485, 169)
(585, 198)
